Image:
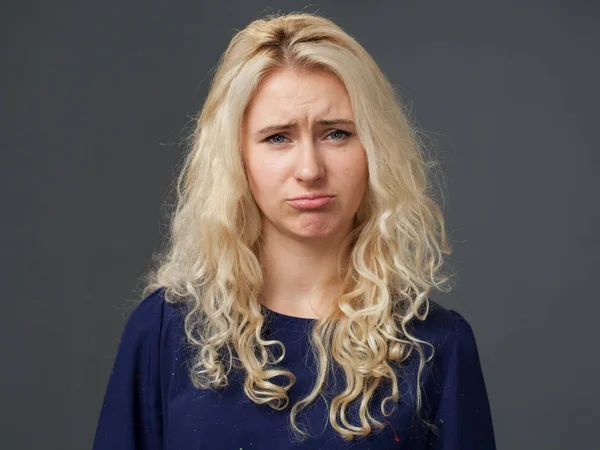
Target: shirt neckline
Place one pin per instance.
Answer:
(288, 317)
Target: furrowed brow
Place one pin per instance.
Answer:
(336, 122)
(290, 125)
(273, 128)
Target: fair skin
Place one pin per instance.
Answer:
(299, 247)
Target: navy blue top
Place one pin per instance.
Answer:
(151, 404)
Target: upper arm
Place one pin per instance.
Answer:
(463, 416)
(130, 417)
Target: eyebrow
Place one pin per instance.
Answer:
(289, 125)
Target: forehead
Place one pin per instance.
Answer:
(287, 94)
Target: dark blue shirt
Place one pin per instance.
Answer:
(151, 404)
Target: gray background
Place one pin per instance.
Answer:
(96, 97)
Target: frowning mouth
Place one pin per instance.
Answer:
(312, 195)
(311, 203)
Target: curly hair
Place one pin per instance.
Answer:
(385, 270)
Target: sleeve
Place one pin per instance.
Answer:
(130, 417)
(463, 417)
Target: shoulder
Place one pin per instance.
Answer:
(447, 330)
(438, 325)
(153, 317)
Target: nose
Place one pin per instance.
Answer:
(309, 164)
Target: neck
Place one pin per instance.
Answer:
(300, 277)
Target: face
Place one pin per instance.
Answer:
(298, 139)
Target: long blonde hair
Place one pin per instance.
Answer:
(395, 249)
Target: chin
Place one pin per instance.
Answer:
(316, 231)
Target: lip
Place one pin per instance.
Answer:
(311, 196)
(304, 203)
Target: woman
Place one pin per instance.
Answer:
(291, 307)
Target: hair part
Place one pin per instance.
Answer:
(386, 267)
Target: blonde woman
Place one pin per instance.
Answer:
(291, 309)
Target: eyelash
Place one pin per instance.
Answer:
(347, 134)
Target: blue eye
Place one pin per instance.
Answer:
(345, 134)
(270, 139)
(279, 139)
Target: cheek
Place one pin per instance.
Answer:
(260, 164)
(265, 177)
(355, 173)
